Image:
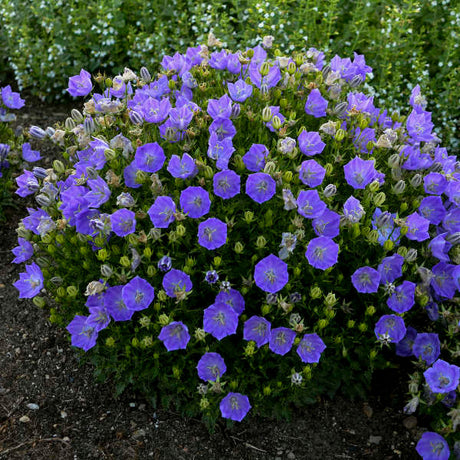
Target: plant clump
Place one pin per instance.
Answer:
(246, 231)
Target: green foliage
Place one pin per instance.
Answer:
(406, 42)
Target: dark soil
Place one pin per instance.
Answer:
(50, 407)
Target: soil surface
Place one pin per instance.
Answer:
(50, 407)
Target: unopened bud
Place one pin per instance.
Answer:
(72, 291)
(411, 255)
(339, 135)
(106, 271)
(330, 190)
(43, 200)
(239, 247)
(58, 166)
(416, 180)
(340, 110)
(135, 117)
(315, 292)
(264, 69)
(76, 115)
(266, 114)
(291, 68)
(261, 242)
(145, 75)
(276, 122)
(248, 216)
(70, 124)
(399, 187)
(88, 125)
(264, 89)
(393, 160)
(326, 70)
(373, 236)
(379, 199)
(269, 167)
(355, 81)
(37, 132)
(236, 110)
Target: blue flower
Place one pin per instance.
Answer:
(260, 187)
(432, 446)
(82, 335)
(30, 283)
(226, 184)
(195, 201)
(281, 340)
(220, 320)
(235, 406)
(162, 212)
(270, 274)
(366, 280)
(211, 366)
(258, 329)
(212, 233)
(310, 348)
(138, 294)
(175, 336)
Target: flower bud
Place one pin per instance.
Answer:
(373, 354)
(248, 216)
(163, 319)
(239, 247)
(72, 291)
(330, 190)
(200, 334)
(261, 242)
(370, 310)
(70, 124)
(89, 125)
(373, 236)
(291, 68)
(151, 271)
(399, 187)
(266, 308)
(339, 110)
(322, 323)
(276, 122)
(236, 110)
(249, 350)
(125, 262)
(37, 132)
(145, 75)
(416, 180)
(388, 245)
(264, 69)
(287, 176)
(76, 115)
(355, 81)
(270, 167)
(266, 114)
(217, 261)
(326, 70)
(315, 292)
(351, 323)
(393, 160)
(379, 199)
(43, 200)
(363, 124)
(39, 173)
(362, 327)
(264, 89)
(135, 117)
(411, 255)
(339, 135)
(58, 166)
(403, 207)
(330, 300)
(204, 403)
(39, 301)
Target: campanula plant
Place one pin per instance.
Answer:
(10, 144)
(246, 231)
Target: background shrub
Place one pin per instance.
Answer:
(408, 42)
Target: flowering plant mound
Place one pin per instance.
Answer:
(246, 230)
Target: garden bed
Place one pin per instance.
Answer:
(51, 408)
